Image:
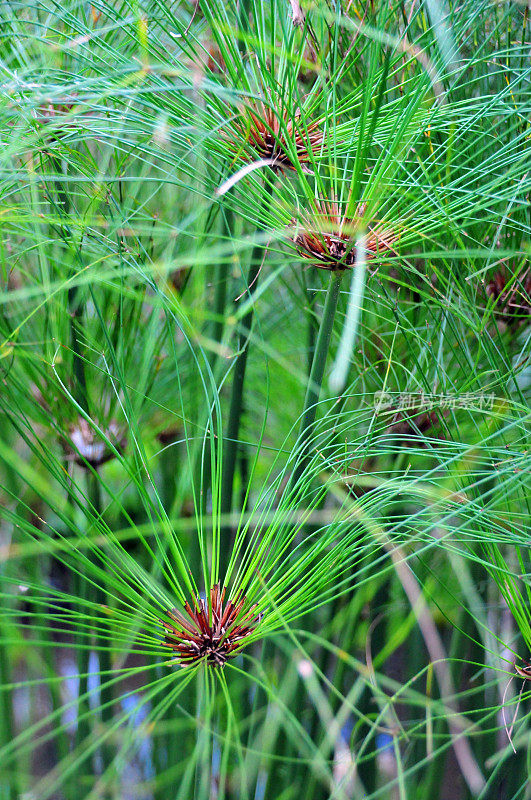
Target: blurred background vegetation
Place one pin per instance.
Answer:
(264, 323)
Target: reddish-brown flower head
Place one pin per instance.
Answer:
(328, 238)
(524, 672)
(267, 131)
(212, 632)
(513, 297)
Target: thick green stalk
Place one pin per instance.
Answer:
(7, 786)
(202, 470)
(95, 594)
(75, 306)
(313, 327)
(230, 444)
(75, 309)
(315, 379)
(220, 292)
(319, 350)
(83, 728)
(100, 596)
(236, 403)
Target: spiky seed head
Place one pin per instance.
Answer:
(212, 632)
(267, 129)
(328, 238)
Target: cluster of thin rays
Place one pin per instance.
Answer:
(278, 572)
(280, 525)
(169, 688)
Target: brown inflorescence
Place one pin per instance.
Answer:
(85, 445)
(50, 110)
(524, 672)
(512, 297)
(267, 131)
(214, 632)
(59, 111)
(328, 240)
(416, 421)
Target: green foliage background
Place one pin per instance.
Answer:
(148, 260)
